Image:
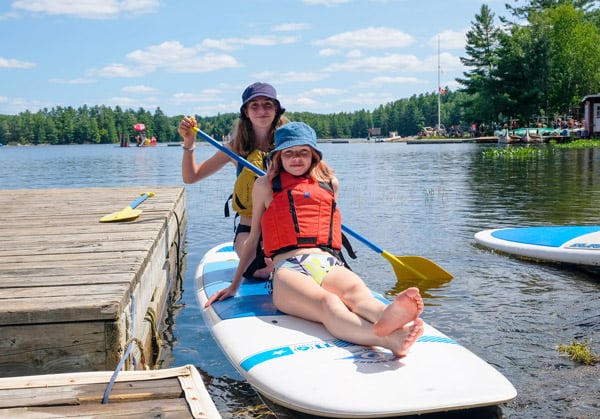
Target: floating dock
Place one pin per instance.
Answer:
(76, 293)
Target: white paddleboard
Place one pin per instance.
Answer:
(568, 244)
(299, 365)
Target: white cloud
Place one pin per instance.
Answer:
(325, 2)
(203, 64)
(324, 91)
(369, 99)
(125, 102)
(328, 52)
(372, 37)
(449, 40)
(12, 63)
(207, 95)
(167, 53)
(72, 81)
(170, 56)
(392, 62)
(383, 81)
(292, 27)
(117, 70)
(230, 44)
(448, 62)
(139, 89)
(355, 53)
(87, 9)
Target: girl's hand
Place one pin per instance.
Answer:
(220, 295)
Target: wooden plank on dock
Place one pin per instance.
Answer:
(175, 393)
(74, 291)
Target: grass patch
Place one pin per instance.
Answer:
(580, 352)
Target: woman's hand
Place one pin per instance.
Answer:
(221, 295)
(186, 130)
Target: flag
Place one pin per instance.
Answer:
(442, 90)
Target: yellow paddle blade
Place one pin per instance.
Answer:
(415, 268)
(128, 213)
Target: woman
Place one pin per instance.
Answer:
(260, 114)
(294, 206)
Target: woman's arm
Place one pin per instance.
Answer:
(190, 171)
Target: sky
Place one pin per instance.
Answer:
(196, 57)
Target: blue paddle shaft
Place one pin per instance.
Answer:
(362, 238)
(139, 201)
(230, 153)
(259, 172)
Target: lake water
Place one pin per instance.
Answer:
(427, 200)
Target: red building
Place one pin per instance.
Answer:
(591, 115)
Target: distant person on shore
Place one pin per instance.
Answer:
(252, 138)
(295, 210)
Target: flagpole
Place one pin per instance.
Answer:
(439, 87)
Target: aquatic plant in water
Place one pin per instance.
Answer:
(580, 352)
(517, 152)
(580, 144)
(537, 151)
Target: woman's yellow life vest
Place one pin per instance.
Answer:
(241, 199)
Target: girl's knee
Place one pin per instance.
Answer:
(331, 304)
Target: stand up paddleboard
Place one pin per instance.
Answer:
(298, 364)
(567, 244)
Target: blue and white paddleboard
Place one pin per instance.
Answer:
(299, 365)
(567, 244)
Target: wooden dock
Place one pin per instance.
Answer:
(425, 140)
(170, 393)
(75, 293)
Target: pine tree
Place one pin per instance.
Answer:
(481, 59)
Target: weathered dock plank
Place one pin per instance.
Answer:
(171, 393)
(75, 292)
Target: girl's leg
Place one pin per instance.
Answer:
(407, 306)
(296, 294)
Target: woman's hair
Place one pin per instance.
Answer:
(318, 170)
(243, 141)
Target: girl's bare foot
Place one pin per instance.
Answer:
(405, 308)
(405, 337)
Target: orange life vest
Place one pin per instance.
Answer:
(303, 213)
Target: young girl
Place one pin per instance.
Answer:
(260, 114)
(294, 205)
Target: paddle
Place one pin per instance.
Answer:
(405, 267)
(127, 213)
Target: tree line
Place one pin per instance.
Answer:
(537, 66)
